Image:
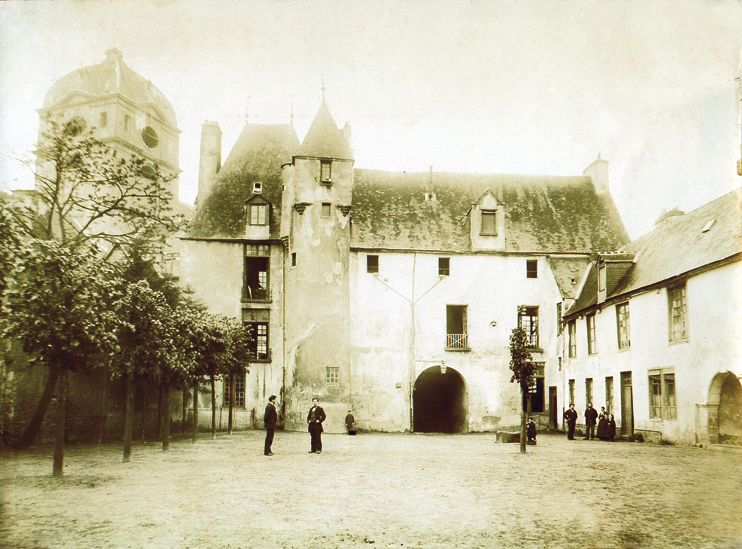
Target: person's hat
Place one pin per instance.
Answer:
(272, 398)
(315, 399)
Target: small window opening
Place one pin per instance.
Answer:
(326, 171)
(293, 259)
(103, 119)
(257, 187)
(489, 225)
(531, 268)
(372, 263)
(326, 209)
(444, 266)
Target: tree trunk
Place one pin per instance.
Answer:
(165, 416)
(524, 393)
(159, 412)
(102, 423)
(213, 408)
(29, 435)
(231, 401)
(185, 407)
(129, 416)
(58, 468)
(195, 412)
(144, 408)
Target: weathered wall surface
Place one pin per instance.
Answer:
(713, 347)
(491, 286)
(214, 270)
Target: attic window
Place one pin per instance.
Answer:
(326, 171)
(489, 222)
(257, 187)
(257, 214)
(707, 226)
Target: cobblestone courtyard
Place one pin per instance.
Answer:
(381, 490)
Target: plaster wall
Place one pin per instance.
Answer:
(214, 271)
(713, 346)
(386, 362)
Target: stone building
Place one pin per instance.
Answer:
(392, 294)
(654, 334)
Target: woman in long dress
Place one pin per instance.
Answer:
(603, 424)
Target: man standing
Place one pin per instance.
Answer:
(591, 417)
(570, 416)
(315, 418)
(270, 419)
(349, 421)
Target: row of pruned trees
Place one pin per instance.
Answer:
(73, 304)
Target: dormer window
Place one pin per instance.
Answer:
(489, 222)
(326, 172)
(257, 214)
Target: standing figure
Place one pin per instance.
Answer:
(591, 416)
(603, 424)
(570, 416)
(270, 419)
(531, 431)
(349, 421)
(315, 418)
(611, 429)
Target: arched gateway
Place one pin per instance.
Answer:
(725, 398)
(440, 402)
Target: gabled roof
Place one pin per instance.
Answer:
(324, 139)
(681, 245)
(111, 76)
(678, 247)
(544, 214)
(568, 273)
(258, 155)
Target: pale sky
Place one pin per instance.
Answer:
(533, 87)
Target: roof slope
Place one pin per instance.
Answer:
(544, 214)
(111, 76)
(681, 245)
(568, 273)
(676, 248)
(257, 155)
(324, 139)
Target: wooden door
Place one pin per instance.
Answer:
(627, 404)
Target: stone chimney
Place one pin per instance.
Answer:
(346, 133)
(598, 172)
(211, 159)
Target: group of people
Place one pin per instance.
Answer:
(315, 417)
(606, 423)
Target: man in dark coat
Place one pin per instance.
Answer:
(270, 419)
(349, 421)
(531, 431)
(591, 418)
(570, 416)
(315, 417)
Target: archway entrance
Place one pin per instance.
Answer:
(440, 402)
(726, 393)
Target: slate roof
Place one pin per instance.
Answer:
(324, 139)
(258, 155)
(111, 76)
(566, 270)
(677, 247)
(544, 214)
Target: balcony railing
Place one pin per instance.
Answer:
(256, 294)
(457, 342)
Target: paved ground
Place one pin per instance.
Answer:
(381, 490)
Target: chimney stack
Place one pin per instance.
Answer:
(598, 172)
(211, 159)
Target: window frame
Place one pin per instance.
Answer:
(372, 263)
(536, 392)
(588, 390)
(609, 394)
(662, 399)
(444, 266)
(240, 391)
(457, 314)
(571, 391)
(683, 337)
(256, 281)
(326, 211)
(488, 212)
(532, 330)
(325, 166)
(623, 326)
(531, 268)
(332, 376)
(258, 206)
(572, 339)
(591, 334)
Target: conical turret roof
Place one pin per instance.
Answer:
(324, 139)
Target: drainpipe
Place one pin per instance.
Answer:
(412, 345)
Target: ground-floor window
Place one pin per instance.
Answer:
(609, 395)
(332, 376)
(571, 391)
(536, 391)
(662, 403)
(239, 390)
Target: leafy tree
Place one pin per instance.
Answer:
(87, 194)
(523, 368)
(236, 359)
(55, 307)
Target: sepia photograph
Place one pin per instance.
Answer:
(405, 273)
